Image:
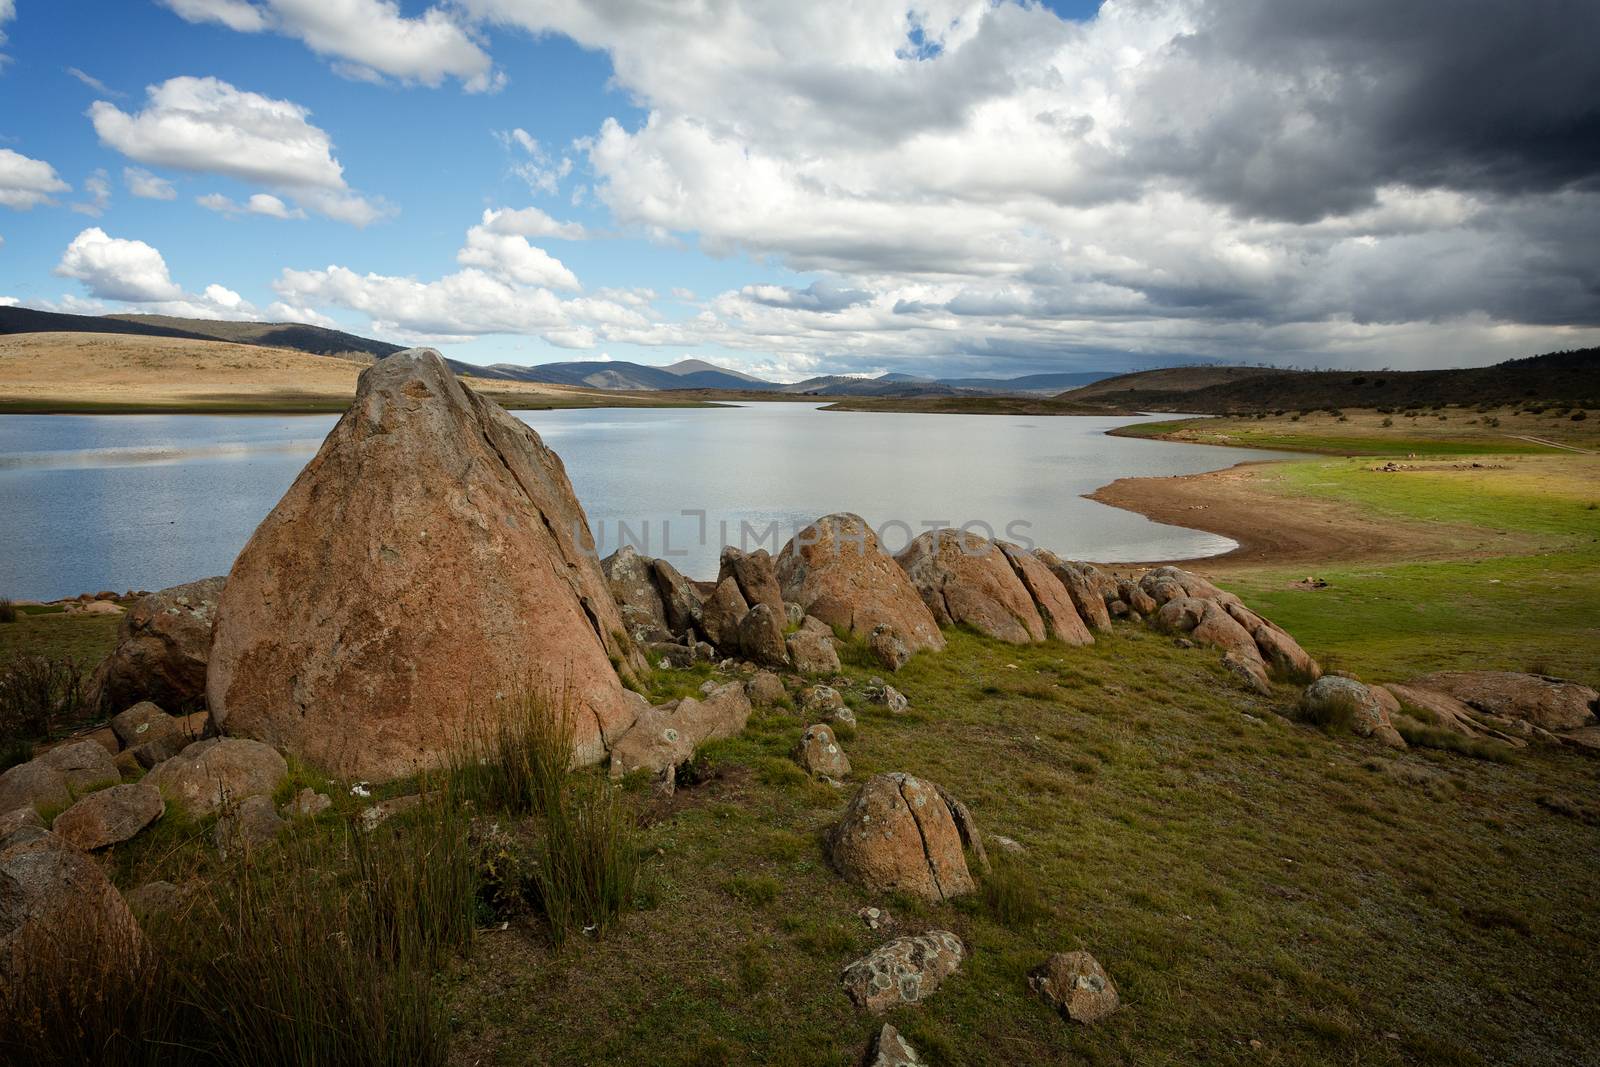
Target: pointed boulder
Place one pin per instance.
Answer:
(429, 560)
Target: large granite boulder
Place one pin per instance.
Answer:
(1189, 604)
(429, 558)
(163, 643)
(963, 578)
(86, 765)
(1548, 703)
(899, 834)
(1060, 615)
(35, 785)
(57, 904)
(813, 652)
(1338, 701)
(1086, 586)
(836, 570)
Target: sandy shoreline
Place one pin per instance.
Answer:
(1235, 503)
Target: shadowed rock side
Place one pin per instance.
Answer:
(427, 558)
(836, 571)
(162, 645)
(1060, 616)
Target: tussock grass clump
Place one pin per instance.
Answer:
(324, 951)
(1012, 897)
(518, 760)
(584, 866)
(8, 610)
(1423, 735)
(39, 695)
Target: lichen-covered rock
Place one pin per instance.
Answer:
(889, 697)
(110, 816)
(163, 644)
(145, 721)
(889, 1049)
(820, 701)
(906, 970)
(966, 579)
(633, 587)
(1136, 599)
(1335, 700)
(819, 753)
(813, 653)
(836, 570)
(898, 834)
(761, 637)
(209, 774)
(431, 554)
(1050, 596)
(1075, 985)
(887, 648)
(668, 735)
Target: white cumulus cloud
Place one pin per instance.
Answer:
(142, 183)
(257, 204)
(365, 38)
(207, 126)
(115, 268)
(26, 183)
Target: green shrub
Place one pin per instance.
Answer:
(757, 890)
(40, 695)
(517, 759)
(588, 868)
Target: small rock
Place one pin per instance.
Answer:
(110, 816)
(819, 753)
(765, 688)
(217, 771)
(307, 804)
(1008, 844)
(886, 647)
(793, 613)
(813, 653)
(845, 717)
(385, 810)
(889, 1049)
(820, 701)
(1076, 985)
(875, 918)
(889, 697)
(145, 721)
(904, 971)
(247, 827)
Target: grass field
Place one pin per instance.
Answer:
(1261, 891)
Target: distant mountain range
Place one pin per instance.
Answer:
(594, 374)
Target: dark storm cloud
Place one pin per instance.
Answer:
(1295, 109)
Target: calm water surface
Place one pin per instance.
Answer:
(146, 501)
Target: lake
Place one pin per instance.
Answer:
(146, 501)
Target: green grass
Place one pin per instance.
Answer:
(1536, 609)
(1239, 879)
(1196, 431)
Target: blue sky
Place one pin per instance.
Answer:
(958, 187)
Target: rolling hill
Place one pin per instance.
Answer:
(1555, 377)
